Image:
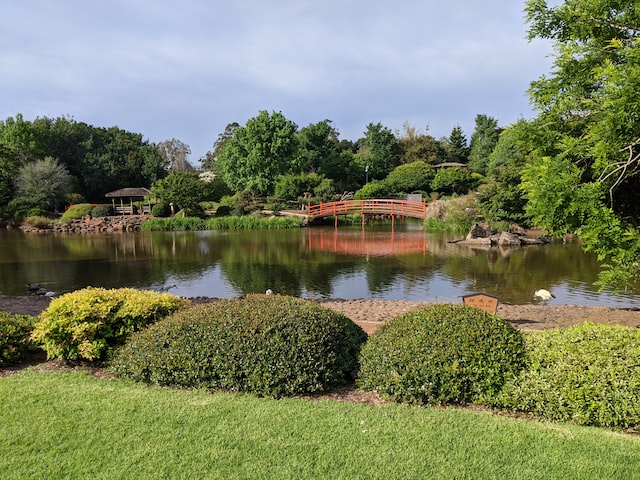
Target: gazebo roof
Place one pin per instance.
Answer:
(129, 192)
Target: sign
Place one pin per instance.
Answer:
(483, 301)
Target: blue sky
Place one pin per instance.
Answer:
(169, 69)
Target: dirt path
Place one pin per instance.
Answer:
(370, 314)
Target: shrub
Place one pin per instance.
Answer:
(103, 210)
(88, 323)
(161, 210)
(441, 354)
(14, 336)
(223, 211)
(265, 344)
(38, 221)
(588, 374)
(77, 211)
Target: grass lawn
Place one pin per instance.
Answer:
(72, 425)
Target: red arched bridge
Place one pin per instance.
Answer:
(392, 207)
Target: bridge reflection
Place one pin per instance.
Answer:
(366, 243)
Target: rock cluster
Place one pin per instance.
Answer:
(483, 235)
(128, 223)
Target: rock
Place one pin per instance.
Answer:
(507, 239)
(479, 231)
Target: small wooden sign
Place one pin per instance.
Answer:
(483, 301)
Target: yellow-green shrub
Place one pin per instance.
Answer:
(588, 374)
(264, 344)
(14, 336)
(441, 354)
(87, 323)
(79, 210)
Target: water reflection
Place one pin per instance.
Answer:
(316, 263)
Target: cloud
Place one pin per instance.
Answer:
(187, 70)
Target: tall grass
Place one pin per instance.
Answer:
(72, 425)
(220, 223)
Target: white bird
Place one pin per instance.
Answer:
(268, 292)
(544, 295)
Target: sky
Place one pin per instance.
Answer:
(186, 69)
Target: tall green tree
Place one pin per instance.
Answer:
(378, 153)
(43, 183)
(210, 157)
(183, 189)
(259, 153)
(457, 146)
(317, 144)
(483, 141)
(416, 146)
(585, 150)
(175, 155)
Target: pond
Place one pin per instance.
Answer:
(320, 262)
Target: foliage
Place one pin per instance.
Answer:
(457, 147)
(175, 155)
(43, 183)
(161, 209)
(373, 189)
(102, 210)
(220, 223)
(38, 221)
(441, 354)
(415, 146)
(318, 146)
(259, 153)
(294, 187)
(88, 323)
(264, 344)
(483, 141)
(379, 151)
(501, 197)
(588, 124)
(99, 159)
(588, 374)
(409, 177)
(77, 211)
(209, 160)
(457, 214)
(15, 342)
(183, 189)
(453, 180)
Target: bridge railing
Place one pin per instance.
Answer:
(406, 208)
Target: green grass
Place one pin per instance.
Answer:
(220, 223)
(72, 425)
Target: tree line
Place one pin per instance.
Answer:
(573, 169)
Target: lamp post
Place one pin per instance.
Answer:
(366, 174)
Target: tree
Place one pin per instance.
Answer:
(501, 198)
(453, 180)
(210, 157)
(586, 139)
(379, 151)
(414, 146)
(318, 144)
(457, 147)
(183, 189)
(483, 141)
(43, 183)
(259, 153)
(175, 155)
(409, 177)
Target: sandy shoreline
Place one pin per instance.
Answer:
(370, 314)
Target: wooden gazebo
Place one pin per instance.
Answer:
(126, 208)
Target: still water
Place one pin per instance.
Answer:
(319, 262)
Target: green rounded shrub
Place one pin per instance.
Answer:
(88, 323)
(102, 210)
(161, 210)
(77, 211)
(15, 331)
(588, 374)
(264, 344)
(441, 354)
